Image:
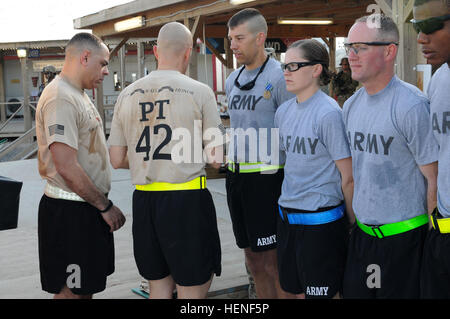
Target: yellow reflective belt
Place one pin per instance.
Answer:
(196, 183)
(442, 225)
(251, 167)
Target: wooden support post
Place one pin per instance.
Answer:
(400, 11)
(118, 47)
(385, 7)
(2, 92)
(26, 96)
(140, 59)
(228, 57)
(397, 16)
(192, 24)
(122, 67)
(331, 43)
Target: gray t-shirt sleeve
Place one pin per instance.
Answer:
(331, 132)
(416, 128)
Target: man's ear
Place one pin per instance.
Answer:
(155, 52)
(187, 54)
(391, 52)
(261, 38)
(84, 57)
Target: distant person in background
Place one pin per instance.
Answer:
(49, 73)
(343, 84)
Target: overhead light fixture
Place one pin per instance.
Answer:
(319, 21)
(236, 2)
(21, 52)
(129, 24)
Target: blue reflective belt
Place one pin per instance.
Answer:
(313, 218)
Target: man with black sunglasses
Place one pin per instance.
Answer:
(255, 173)
(433, 27)
(394, 158)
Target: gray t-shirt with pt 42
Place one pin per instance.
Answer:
(390, 136)
(312, 135)
(252, 114)
(439, 94)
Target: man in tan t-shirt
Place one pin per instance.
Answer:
(162, 124)
(76, 219)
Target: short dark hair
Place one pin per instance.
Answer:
(246, 15)
(82, 39)
(313, 50)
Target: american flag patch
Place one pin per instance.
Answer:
(56, 129)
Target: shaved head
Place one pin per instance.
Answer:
(174, 38)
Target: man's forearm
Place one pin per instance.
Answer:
(78, 181)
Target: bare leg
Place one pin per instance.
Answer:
(264, 269)
(194, 292)
(161, 289)
(66, 293)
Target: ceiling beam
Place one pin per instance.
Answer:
(176, 12)
(117, 48)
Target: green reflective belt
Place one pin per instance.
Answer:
(386, 230)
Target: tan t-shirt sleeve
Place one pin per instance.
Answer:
(60, 122)
(116, 134)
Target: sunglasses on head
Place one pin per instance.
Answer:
(294, 66)
(248, 86)
(430, 25)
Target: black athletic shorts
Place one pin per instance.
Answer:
(311, 258)
(253, 203)
(76, 247)
(386, 268)
(175, 233)
(435, 274)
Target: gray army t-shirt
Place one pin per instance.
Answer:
(439, 94)
(312, 136)
(390, 136)
(253, 111)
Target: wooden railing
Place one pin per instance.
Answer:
(25, 141)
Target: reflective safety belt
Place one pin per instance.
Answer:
(251, 167)
(196, 183)
(312, 218)
(386, 230)
(441, 224)
(59, 193)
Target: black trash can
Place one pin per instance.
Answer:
(9, 202)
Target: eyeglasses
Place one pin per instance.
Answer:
(430, 25)
(363, 46)
(294, 66)
(248, 86)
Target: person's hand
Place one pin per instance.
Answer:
(114, 218)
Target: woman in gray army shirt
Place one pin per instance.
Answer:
(318, 178)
